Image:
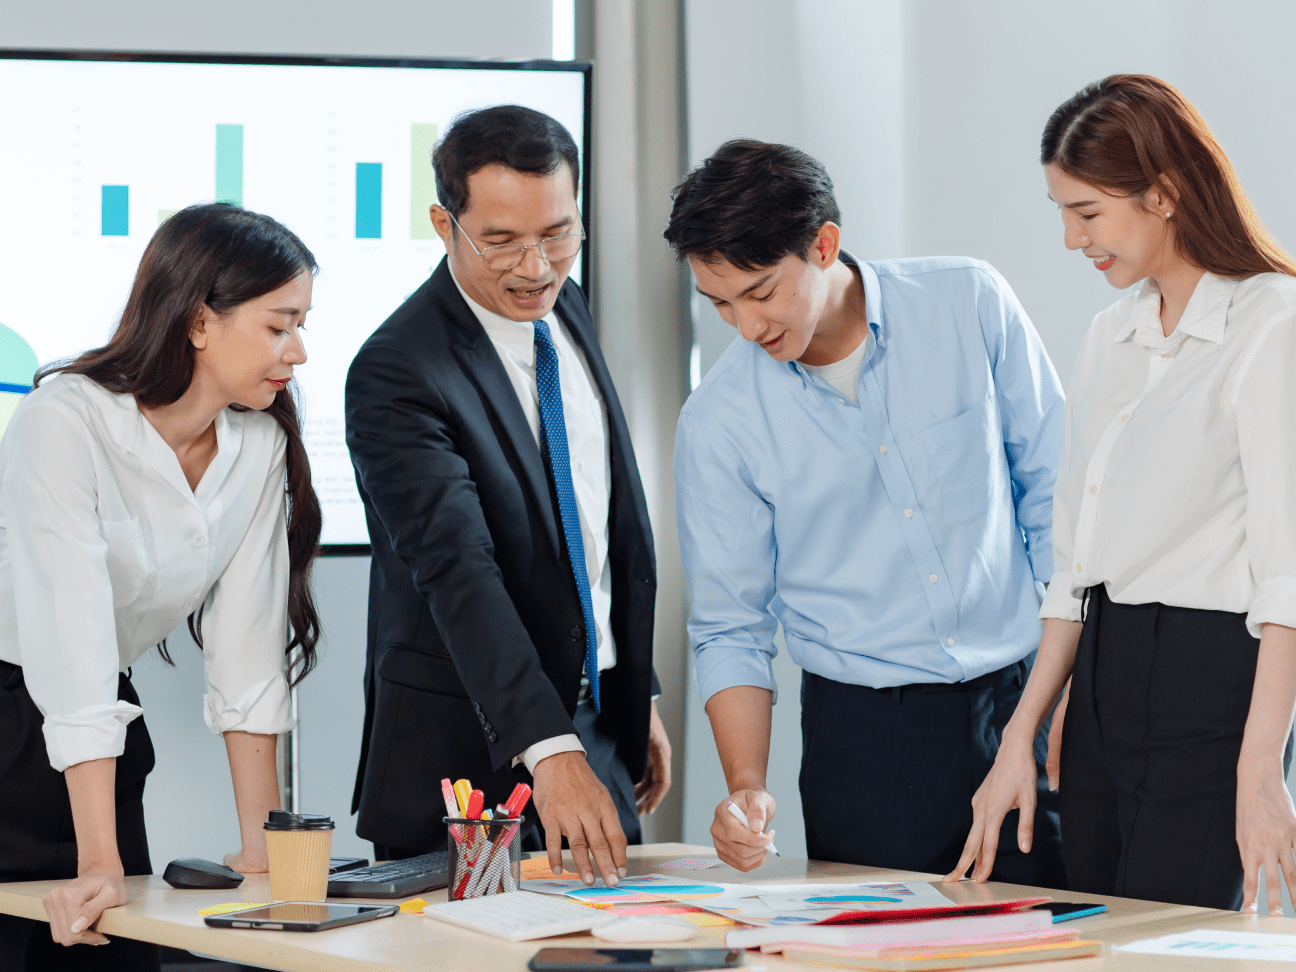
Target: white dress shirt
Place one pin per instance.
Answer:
(104, 549)
(1178, 478)
(585, 416)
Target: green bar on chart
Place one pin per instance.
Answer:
(422, 182)
(114, 211)
(229, 164)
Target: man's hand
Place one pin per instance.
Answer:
(652, 789)
(73, 907)
(738, 846)
(572, 803)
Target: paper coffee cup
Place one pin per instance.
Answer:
(299, 847)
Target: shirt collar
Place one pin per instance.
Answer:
(872, 312)
(517, 337)
(1204, 317)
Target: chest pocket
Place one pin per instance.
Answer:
(966, 457)
(127, 561)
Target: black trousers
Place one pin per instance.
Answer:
(1159, 700)
(601, 753)
(38, 842)
(887, 775)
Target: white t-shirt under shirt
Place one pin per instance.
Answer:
(843, 375)
(104, 549)
(1179, 470)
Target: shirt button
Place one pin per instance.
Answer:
(908, 512)
(949, 641)
(841, 401)
(1079, 568)
(884, 448)
(1093, 489)
(932, 578)
(199, 541)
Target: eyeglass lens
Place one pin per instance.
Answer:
(506, 256)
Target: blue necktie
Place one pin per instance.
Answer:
(549, 391)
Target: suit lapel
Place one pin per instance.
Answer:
(481, 363)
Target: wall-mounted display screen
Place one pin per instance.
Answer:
(101, 147)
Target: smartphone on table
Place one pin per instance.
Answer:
(634, 959)
(307, 916)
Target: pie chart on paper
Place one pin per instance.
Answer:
(17, 366)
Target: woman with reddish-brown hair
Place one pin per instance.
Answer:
(1172, 607)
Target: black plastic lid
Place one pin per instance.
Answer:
(284, 820)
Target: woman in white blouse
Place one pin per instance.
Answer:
(159, 477)
(1173, 599)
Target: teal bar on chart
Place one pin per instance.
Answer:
(368, 200)
(229, 164)
(114, 211)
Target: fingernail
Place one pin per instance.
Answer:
(1052, 782)
(1251, 908)
(611, 880)
(587, 878)
(79, 925)
(621, 871)
(557, 871)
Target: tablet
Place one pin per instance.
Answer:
(301, 916)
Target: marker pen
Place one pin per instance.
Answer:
(742, 817)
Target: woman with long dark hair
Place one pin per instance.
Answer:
(159, 477)
(1173, 601)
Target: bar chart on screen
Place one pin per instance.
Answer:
(108, 150)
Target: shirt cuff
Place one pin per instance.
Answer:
(95, 732)
(1059, 600)
(568, 743)
(718, 667)
(263, 708)
(1274, 603)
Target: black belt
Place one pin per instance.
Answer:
(1016, 671)
(10, 675)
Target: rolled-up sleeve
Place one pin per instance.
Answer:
(1266, 422)
(63, 596)
(726, 534)
(1031, 405)
(245, 621)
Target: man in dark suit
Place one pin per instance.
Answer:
(513, 577)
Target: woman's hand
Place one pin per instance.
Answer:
(1266, 832)
(1053, 765)
(248, 862)
(73, 907)
(1009, 784)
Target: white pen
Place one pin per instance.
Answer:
(733, 808)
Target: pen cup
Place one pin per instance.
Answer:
(483, 856)
(298, 845)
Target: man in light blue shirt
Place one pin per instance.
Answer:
(872, 465)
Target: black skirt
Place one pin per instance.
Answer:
(37, 839)
(1159, 702)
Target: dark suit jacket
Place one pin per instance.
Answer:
(476, 635)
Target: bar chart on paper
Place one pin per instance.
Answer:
(341, 155)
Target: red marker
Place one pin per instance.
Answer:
(476, 800)
(517, 800)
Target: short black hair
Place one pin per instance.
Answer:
(520, 138)
(751, 204)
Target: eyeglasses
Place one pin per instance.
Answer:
(506, 256)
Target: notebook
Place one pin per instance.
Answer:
(519, 916)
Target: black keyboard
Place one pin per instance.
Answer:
(395, 879)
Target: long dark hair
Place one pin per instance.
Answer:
(221, 256)
(1130, 132)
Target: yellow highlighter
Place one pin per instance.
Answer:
(462, 790)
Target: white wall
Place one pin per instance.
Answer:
(928, 114)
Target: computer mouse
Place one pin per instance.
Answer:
(645, 928)
(193, 873)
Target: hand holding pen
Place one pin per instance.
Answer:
(738, 828)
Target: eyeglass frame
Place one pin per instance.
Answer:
(525, 246)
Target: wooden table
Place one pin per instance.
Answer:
(156, 912)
